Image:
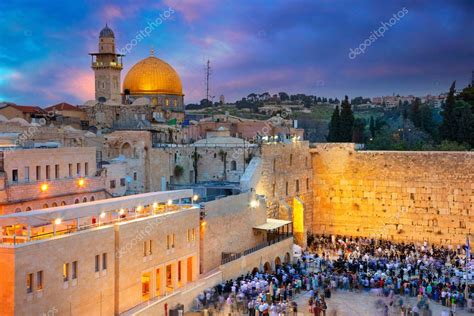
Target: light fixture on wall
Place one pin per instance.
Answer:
(44, 187)
(254, 203)
(195, 197)
(81, 182)
(57, 221)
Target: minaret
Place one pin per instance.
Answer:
(107, 66)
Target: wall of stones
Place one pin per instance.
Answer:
(401, 196)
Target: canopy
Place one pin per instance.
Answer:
(272, 224)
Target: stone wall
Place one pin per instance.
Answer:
(402, 196)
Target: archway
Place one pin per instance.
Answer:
(267, 267)
(84, 200)
(233, 165)
(126, 150)
(254, 270)
(277, 262)
(287, 258)
(54, 204)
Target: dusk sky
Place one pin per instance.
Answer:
(254, 46)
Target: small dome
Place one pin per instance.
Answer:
(107, 32)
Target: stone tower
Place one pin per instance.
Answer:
(107, 66)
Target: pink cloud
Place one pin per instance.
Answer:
(192, 10)
(79, 85)
(111, 12)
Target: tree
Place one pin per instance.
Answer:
(372, 127)
(334, 135)
(463, 112)
(284, 96)
(427, 122)
(415, 113)
(346, 121)
(358, 131)
(448, 128)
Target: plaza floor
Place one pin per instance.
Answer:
(344, 303)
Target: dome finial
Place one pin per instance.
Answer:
(152, 51)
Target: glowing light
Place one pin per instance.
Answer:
(254, 203)
(122, 211)
(203, 224)
(102, 215)
(81, 182)
(44, 187)
(155, 205)
(57, 221)
(195, 197)
(139, 208)
(170, 202)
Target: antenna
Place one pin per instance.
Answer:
(208, 74)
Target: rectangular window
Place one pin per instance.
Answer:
(65, 272)
(56, 171)
(97, 263)
(39, 280)
(286, 188)
(297, 185)
(307, 183)
(38, 173)
(112, 184)
(172, 241)
(74, 270)
(193, 234)
(122, 182)
(145, 248)
(70, 170)
(168, 241)
(29, 283)
(27, 174)
(134, 176)
(86, 169)
(78, 169)
(48, 172)
(149, 247)
(15, 175)
(104, 261)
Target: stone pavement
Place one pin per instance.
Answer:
(344, 303)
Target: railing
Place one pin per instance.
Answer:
(228, 257)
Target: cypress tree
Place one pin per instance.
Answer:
(448, 128)
(346, 121)
(416, 113)
(372, 127)
(334, 125)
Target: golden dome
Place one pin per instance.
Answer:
(152, 76)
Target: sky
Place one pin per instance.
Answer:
(296, 46)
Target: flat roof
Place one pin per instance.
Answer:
(95, 208)
(272, 223)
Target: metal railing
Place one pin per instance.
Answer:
(228, 257)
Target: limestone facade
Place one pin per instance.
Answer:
(400, 196)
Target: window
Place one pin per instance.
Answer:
(27, 174)
(104, 261)
(191, 234)
(97, 263)
(307, 183)
(78, 169)
(135, 176)
(86, 169)
(149, 247)
(48, 172)
(29, 283)
(39, 280)
(286, 188)
(15, 175)
(273, 189)
(70, 170)
(291, 159)
(65, 272)
(297, 185)
(112, 184)
(147, 244)
(170, 241)
(56, 171)
(74, 270)
(122, 182)
(145, 248)
(233, 165)
(274, 164)
(38, 173)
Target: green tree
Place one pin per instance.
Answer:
(428, 123)
(372, 127)
(448, 128)
(334, 125)
(415, 113)
(346, 121)
(463, 112)
(358, 131)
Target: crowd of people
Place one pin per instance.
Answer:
(397, 273)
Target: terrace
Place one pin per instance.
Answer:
(20, 228)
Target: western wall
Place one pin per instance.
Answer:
(401, 196)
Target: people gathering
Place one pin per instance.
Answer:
(408, 278)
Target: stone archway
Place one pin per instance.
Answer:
(267, 267)
(287, 258)
(277, 262)
(126, 150)
(254, 270)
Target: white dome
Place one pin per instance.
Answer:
(20, 121)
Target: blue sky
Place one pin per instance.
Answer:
(296, 46)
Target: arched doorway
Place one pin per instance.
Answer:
(126, 150)
(287, 258)
(254, 270)
(277, 262)
(267, 267)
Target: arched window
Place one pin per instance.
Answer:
(233, 165)
(63, 203)
(84, 200)
(18, 210)
(28, 209)
(92, 198)
(126, 150)
(45, 205)
(76, 201)
(54, 204)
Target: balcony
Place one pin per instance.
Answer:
(111, 64)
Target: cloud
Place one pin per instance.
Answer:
(192, 10)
